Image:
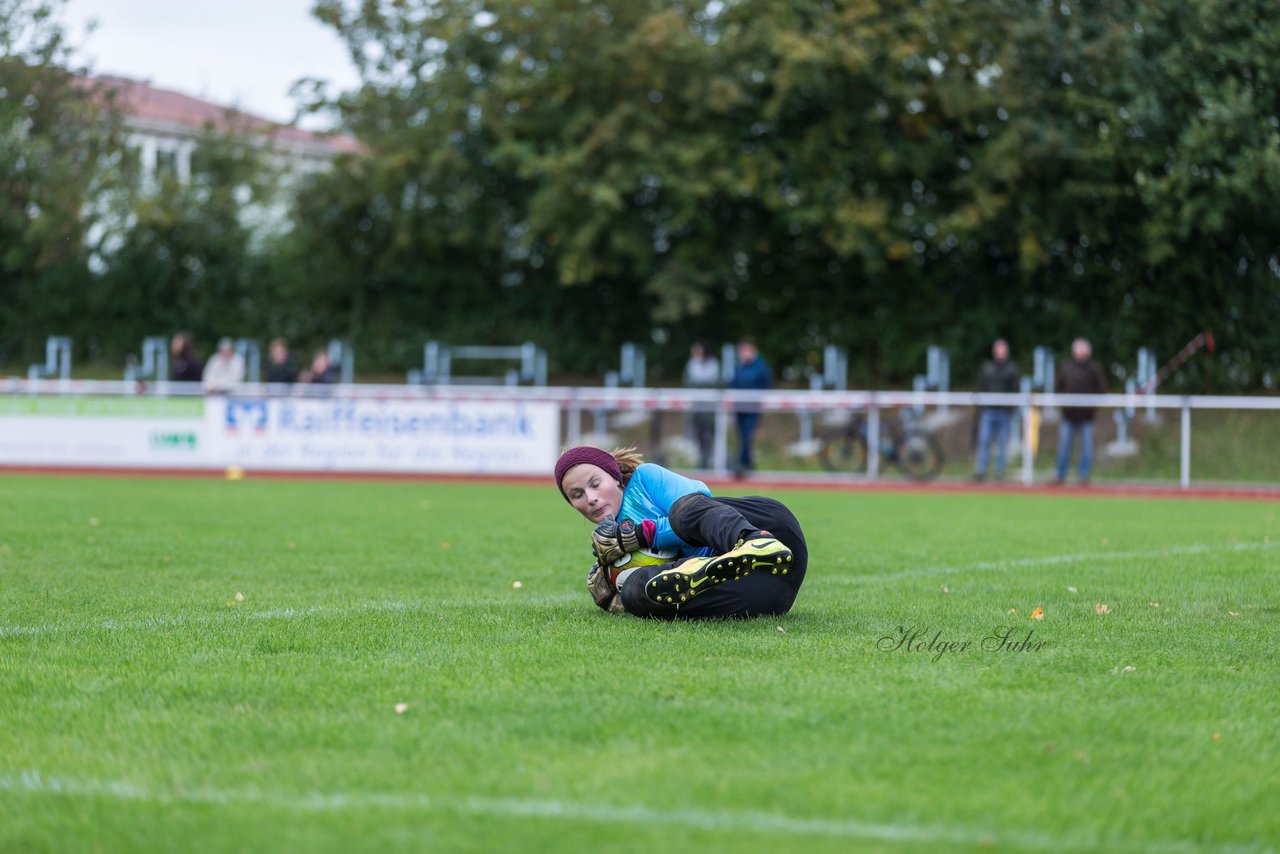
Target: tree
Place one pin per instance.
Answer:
(187, 255)
(55, 133)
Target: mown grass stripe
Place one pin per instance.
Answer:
(245, 613)
(35, 783)
(1050, 560)
(176, 620)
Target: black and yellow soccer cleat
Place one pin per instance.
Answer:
(681, 583)
(763, 553)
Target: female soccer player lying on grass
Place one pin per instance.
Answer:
(666, 548)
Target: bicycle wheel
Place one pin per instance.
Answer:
(844, 452)
(920, 455)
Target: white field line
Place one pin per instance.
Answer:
(1048, 560)
(242, 612)
(35, 783)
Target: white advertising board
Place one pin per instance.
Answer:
(506, 437)
(296, 434)
(88, 441)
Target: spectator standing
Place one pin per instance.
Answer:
(280, 369)
(1082, 375)
(702, 371)
(184, 365)
(750, 373)
(321, 371)
(998, 376)
(225, 369)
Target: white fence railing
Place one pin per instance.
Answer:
(575, 401)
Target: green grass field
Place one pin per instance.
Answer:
(144, 707)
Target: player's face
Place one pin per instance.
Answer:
(592, 491)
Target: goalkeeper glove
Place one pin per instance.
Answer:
(611, 540)
(603, 592)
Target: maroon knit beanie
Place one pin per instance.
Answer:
(585, 454)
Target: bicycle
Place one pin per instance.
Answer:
(913, 449)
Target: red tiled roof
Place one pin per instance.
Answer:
(140, 100)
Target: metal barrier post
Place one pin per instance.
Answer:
(57, 362)
(873, 441)
(1028, 437)
(1185, 462)
(728, 361)
(342, 354)
(721, 450)
(575, 424)
(1147, 368)
(938, 371)
(252, 355)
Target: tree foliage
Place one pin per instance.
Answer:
(184, 255)
(877, 175)
(53, 138)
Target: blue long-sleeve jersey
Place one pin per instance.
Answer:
(649, 495)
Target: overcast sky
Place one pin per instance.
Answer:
(244, 53)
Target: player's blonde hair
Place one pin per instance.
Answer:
(628, 459)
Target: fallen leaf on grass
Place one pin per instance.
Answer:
(946, 589)
(1233, 613)
(1013, 610)
(781, 630)
(1101, 609)
(401, 708)
(1071, 589)
(231, 603)
(1154, 604)
(1037, 614)
(1128, 668)
(239, 597)
(444, 545)
(1217, 736)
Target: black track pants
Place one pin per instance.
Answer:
(719, 523)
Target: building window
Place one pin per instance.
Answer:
(166, 164)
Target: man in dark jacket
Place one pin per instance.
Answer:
(998, 376)
(751, 372)
(184, 365)
(281, 370)
(1081, 375)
